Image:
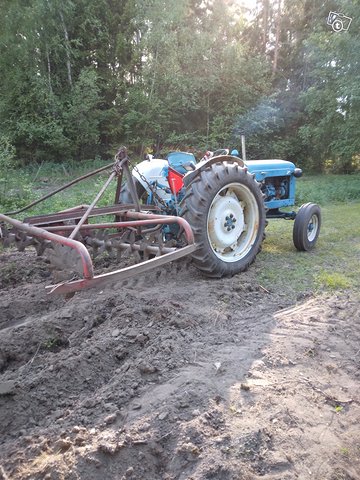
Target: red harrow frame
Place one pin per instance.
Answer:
(68, 237)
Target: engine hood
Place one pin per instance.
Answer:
(270, 168)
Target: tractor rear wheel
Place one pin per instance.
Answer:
(225, 208)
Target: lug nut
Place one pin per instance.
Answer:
(233, 226)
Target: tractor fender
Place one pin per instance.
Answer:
(201, 166)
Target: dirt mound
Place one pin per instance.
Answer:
(175, 377)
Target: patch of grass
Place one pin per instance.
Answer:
(33, 182)
(332, 280)
(8, 274)
(325, 189)
(50, 343)
(54, 344)
(62, 172)
(78, 194)
(333, 264)
(344, 451)
(28, 184)
(16, 190)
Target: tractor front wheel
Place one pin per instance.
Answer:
(307, 227)
(225, 208)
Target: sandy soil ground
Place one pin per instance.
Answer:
(176, 377)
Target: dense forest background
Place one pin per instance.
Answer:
(80, 77)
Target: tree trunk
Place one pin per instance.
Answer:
(49, 70)
(67, 47)
(277, 39)
(265, 23)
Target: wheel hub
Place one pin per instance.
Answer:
(312, 228)
(226, 222)
(230, 222)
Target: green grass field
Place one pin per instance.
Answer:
(335, 262)
(333, 265)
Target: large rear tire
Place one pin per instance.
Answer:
(225, 208)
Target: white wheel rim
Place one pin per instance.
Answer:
(233, 222)
(312, 228)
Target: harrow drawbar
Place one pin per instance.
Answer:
(72, 237)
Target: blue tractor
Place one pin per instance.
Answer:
(227, 202)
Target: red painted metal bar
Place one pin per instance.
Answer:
(88, 271)
(135, 223)
(181, 221)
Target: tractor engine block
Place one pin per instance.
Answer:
(275, 188)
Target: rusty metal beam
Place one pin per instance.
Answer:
(123, 274)
(76, 212)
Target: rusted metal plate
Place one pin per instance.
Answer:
(123, 274)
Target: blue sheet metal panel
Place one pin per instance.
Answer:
(292, 190)
(270, 168)
(287, 202)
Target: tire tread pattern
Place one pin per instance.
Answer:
(195, 206)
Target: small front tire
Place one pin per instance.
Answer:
(307, 227)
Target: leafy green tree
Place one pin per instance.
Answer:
(196, 75)
(80, 77)
(82, 115)
(331, 104)
(64, 65)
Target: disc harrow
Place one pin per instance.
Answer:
(72, 238)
